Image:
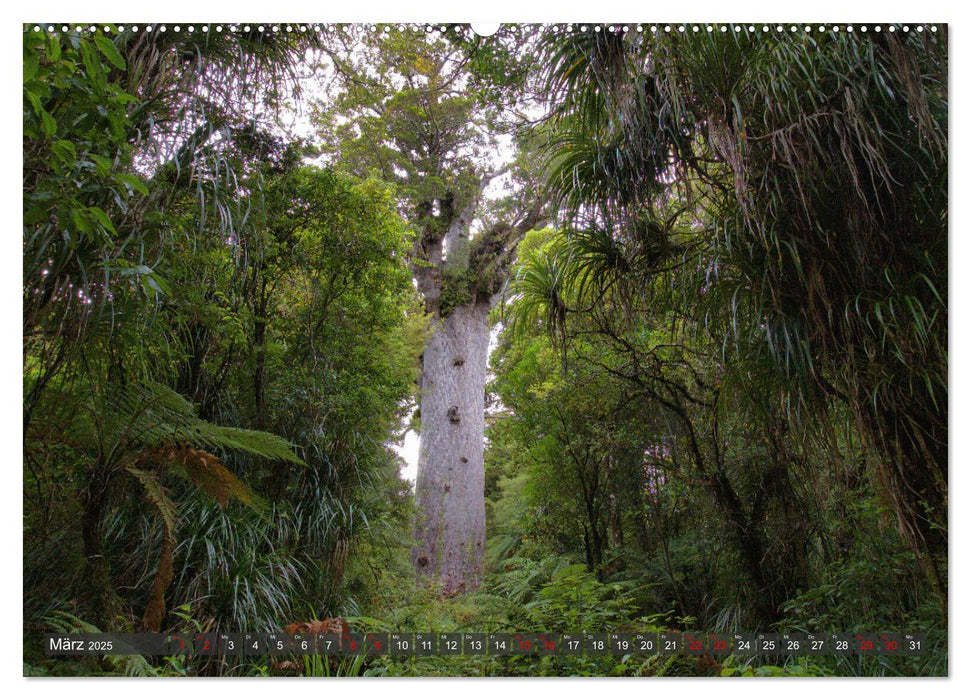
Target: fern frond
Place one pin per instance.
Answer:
(153, 415)
(156, 494)
(204, 471)
(63, 621)
(253, 442)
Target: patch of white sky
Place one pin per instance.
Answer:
(316, 79)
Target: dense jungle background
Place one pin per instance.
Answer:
(689, 290)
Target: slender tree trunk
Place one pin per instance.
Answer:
(192, 381)
(450, 532)
(259, 356)
(98, 592)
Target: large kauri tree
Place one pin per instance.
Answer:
(405, 104)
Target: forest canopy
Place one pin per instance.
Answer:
(667, 312)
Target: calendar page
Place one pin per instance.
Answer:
(412, 349)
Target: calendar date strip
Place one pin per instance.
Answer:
(482, 644)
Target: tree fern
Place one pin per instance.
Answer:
(148, 430)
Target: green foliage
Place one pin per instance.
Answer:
(76, 129)
(792, 177)
(458, 289)
(575, 600)
(250, 332)
(719, 396)
(653, 295)
(401, 116)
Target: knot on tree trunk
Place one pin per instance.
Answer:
(453, 414)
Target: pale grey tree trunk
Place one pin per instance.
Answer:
(458, 289)
(450, 530)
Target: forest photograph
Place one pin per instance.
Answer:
(410, 350)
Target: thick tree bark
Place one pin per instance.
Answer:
(450, 531)
(450, 493)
